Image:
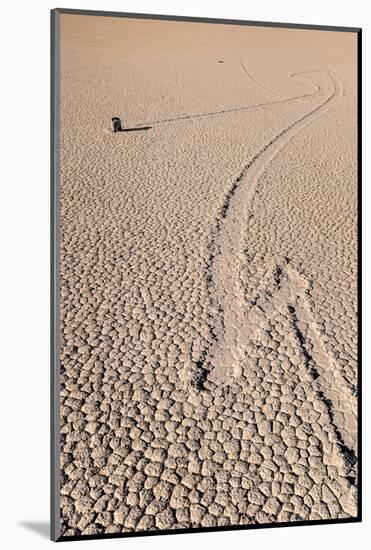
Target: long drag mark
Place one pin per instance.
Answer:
(260, 84)
(226, 255)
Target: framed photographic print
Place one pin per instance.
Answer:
(205, 274)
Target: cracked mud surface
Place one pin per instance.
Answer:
(208, 276)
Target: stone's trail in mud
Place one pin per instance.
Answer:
(226, 354)
(224, 361)
(235, 109)
(252, 77)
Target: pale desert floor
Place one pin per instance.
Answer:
(208, 275)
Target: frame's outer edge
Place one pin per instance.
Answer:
(54, 299)
(191, 19)
(359, 265)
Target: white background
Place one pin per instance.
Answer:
(24, 271)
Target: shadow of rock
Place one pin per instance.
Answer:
(135, 129)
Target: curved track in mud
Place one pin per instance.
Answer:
(239, 326)
(230, 227)
(252, 77)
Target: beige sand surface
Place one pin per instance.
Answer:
(208, 275)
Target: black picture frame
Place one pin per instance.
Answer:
(55, 263)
